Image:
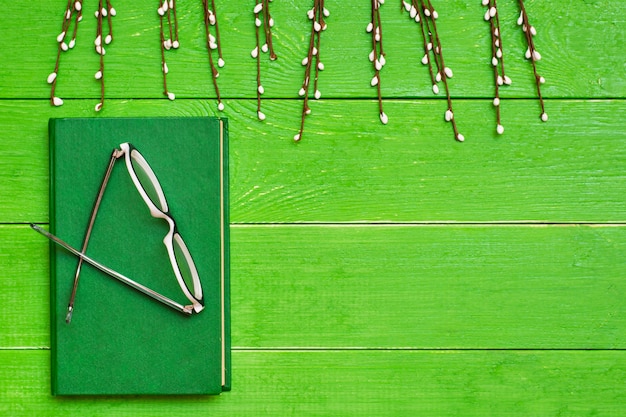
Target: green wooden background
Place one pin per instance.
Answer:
(376, 270)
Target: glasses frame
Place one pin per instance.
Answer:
(130, 154)
(173, 236)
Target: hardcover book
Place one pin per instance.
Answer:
(120, 341)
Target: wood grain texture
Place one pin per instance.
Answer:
(351, 168)
(348, 315)
(572, 35)
(423, 287)
(359, 383)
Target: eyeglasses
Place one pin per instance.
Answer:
(150, 190)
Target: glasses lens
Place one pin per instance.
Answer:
(187, 267)
(148, 180)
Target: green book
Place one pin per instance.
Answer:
(120, 341)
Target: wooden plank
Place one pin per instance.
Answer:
(387, 287)
(351, 168)
(357, 383)
(572, 34)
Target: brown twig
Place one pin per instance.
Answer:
(213, 44)
(167, 14)
(74, 12)
(377, 56)
(316, 15)
(497, 57)
(532, 54)
(267, 22)
(423, 12)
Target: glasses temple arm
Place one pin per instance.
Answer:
(141, 288)
(94, 211)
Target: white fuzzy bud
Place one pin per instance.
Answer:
(536, 56)
(435, 89)
(438, 77)
(377, 65)
(302, 92)
(314, 51)
(407, 6)
(258, 8)
(78, 6)
(112, 12)
(318, 94)
(492, 11)
(297, 137)
(413, 12)
(542, 80)
(165, 68)
(260, 115)
(496, 102)
(500, 80)
(271, 22)
(372, 55)
(52, 77)
(435, 15)
(500, 129)
(64, 46)
(449, 115)
(369, 27)
(175, 44)
(533, 31)
(212, 45)
(374, 81)
(98, 40)
(305, 61)
(494, 61)
(260, 89)
(499, 53)
(160, 11)
(98, 106)
(311, 14)
(108, 39)
(257, 22)
(520, 19)
(61, 37)
(98, 75)
(507, 80)
(68, 14)
(317, 26)
(383, 118)
(167, 44)
(255, 52)
(382, 60)
(417, 18)
(326, 12)
(460, 137)
(57, 101)
(485, 2)
(171, 96)
(220, 106)
(320, 66)
(425, 59)
(487, 15)
(448, 72)
(544, 117)
(264, 47)
(104, 12)
(220, 63)
(427, 12)
(72, 43)
(527, 54)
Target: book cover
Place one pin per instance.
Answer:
(119, 341)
